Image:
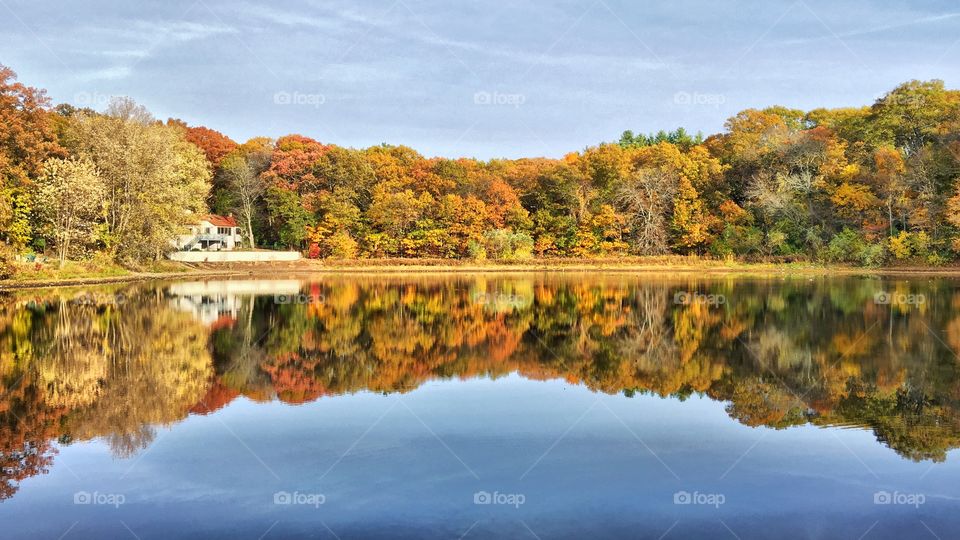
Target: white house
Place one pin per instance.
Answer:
(210, 232)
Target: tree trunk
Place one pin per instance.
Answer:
(63, 252)
(890, 215)
(249, 221)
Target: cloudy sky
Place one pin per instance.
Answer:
(476, 78)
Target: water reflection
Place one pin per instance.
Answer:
(115, 363)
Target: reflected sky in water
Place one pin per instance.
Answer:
(506, 406)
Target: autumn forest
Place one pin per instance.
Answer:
(869, 185)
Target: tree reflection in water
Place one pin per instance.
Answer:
(114, 363)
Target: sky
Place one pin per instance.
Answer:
(475, 78)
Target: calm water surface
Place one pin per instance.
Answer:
(515, 406)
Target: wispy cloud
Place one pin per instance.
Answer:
(180, 31)
(104, 74)
(532, 57)
(140, 31)
(137, 41)
(270, 14)
(879, 29)
(126, 53)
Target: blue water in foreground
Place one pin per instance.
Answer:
(549, 459)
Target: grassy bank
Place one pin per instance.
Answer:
(29, 275)
(650, 264)
(544, 264)
(74, 273)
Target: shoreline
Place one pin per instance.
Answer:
(14, 285)
(367, 267)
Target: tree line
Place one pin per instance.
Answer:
(863, 185)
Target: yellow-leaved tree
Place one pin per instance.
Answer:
(154, 178)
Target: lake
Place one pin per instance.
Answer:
(502, 405)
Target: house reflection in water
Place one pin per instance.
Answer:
(218, 303)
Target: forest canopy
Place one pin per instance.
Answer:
(865, 185)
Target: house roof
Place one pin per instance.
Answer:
(218, 221)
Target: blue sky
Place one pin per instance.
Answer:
(475, 78)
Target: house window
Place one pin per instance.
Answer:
(223, 230)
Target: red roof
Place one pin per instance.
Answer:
(218, 221)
